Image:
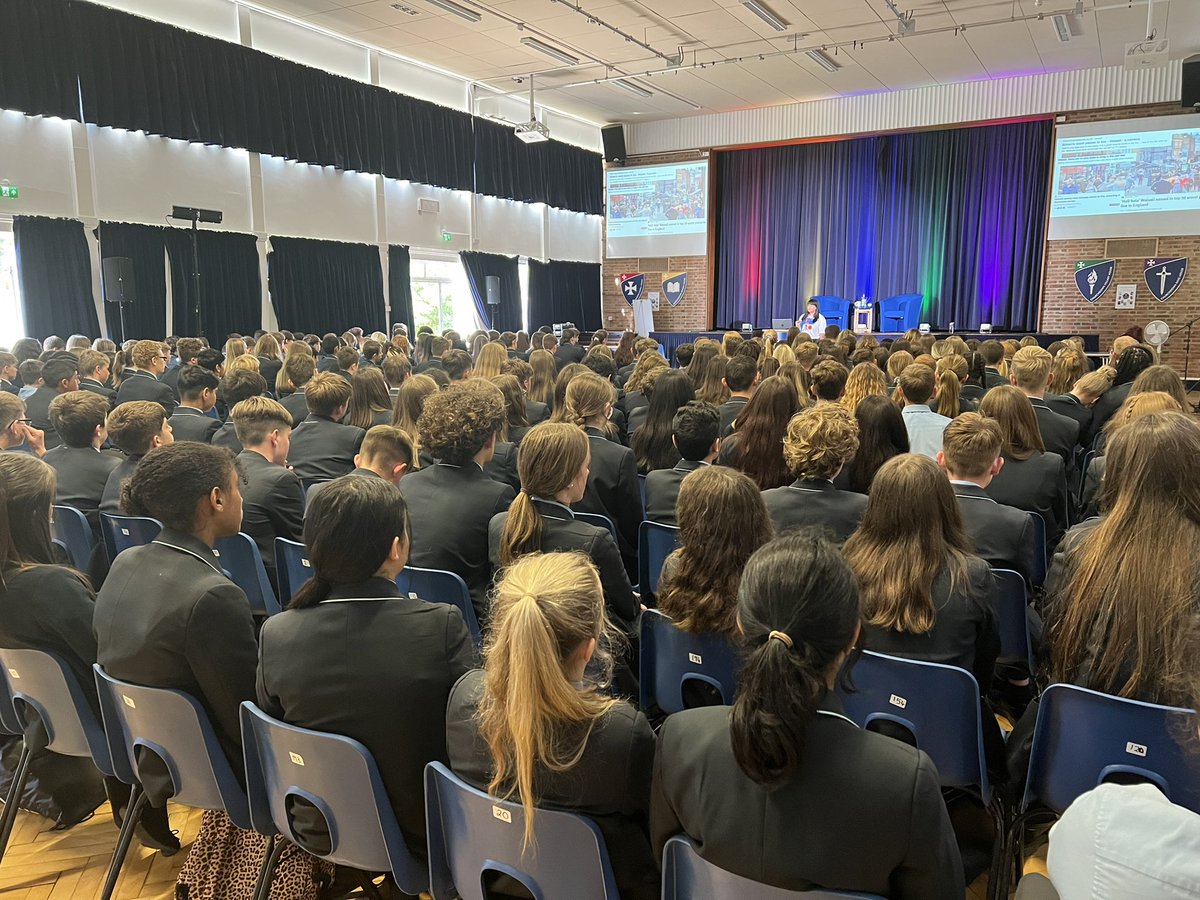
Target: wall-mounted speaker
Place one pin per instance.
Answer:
(491, 286)
(1190, 94)
(614, 143)
(119, 286)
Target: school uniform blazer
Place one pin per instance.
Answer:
(376, 666)
(610, 784)
(272, 505)
(269, 368)
(612, 490)
(188, 424)
(973, 392)
(805, 503)
(315, 489)
(139, 385)
(630, 401)
(1104, 409)
(1068, 405)
(992, 377)
(662, 490)
(536, 411)
(1059, 433)
(110, 499)
(323, 449)
(226, 436)
(93, 386)
(82, 476)
(636, 418)
(171, 379)
(565, 354)
(449, 508)
(37, 410)
(1003, 535)
(502, 467)
(864, 812)
(730, 410)
(10, 388)
(327, 363)
(1037, 484)
(562, 532)
(168, 617)
(296, 404)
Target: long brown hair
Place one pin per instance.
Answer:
(368, 396)
(586, 400)
(760, 428)
(410, 400)
(650, 359)
(722, 521)
(1138, 405)
(865, 380)
(951, 371)
(551, 456)
(711, 388)
(541, 385)
(514, 403)
(26, 494)
(1129, 594)
(1161, 378)
(1018, 423)
(624, 355)
(489, 360)
(912, 531)
(568, 373)
(1069, 366)
(530, 714)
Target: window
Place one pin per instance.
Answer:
(12, 322)
(441, 295)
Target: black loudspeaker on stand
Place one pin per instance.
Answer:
(491, 289)
(119, 287)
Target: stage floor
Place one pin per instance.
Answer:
(1091, 342)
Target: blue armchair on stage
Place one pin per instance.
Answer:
(836, 310)
(901, 312)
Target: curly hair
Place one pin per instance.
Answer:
(457, 423)
(820, 440)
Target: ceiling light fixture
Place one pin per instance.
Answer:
(765, 14)
(461, 11)
(906, 23)
(822, 59)
(1061, 28)
(632, 87)
(550, 50)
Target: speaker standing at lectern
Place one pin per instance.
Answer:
(813, 323)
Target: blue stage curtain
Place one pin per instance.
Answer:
(957, 215)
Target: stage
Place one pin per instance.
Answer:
(1091, 342)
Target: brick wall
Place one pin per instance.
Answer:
(1064, 310)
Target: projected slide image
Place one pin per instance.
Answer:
(657, 200)
(1151, 171)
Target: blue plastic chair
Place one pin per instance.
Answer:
(292, 567)
(655, 543)
(339, 777)
(688, 877)
(174, 727)
(471, 832)
(836, 310)
(239, 557)
(438, 586)
(901, 312)
(1040, 563)
(670, 658)
(1013, 598)
(37, 682)
(71, 528)
(600, 521)
(122, 532)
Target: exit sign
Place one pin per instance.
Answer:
(9, 192)
(447, 237)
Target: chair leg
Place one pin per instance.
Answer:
(137, 802)
(1000, 857)
(275, 848)
(13, 800)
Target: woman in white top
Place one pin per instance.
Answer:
(813, 323)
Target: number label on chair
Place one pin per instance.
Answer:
(14, 673)
(125, 531)
(1135, 749)
(696, 659)
(296, 758)
(129, 702)
(502, 814)
(304, 562)
(897, 700)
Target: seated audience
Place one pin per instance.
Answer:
(270, 361)
(15, 431)
(347, 362)
(236, 386)
(1030, 372)
(458, 365)
(741, 378)
(387, 452)
(819, 442)
(535, 411)
(187, 351)
(554, 468)
(1129, 363)
(81, 467)
(318, 660)
(995, 370)
(756, 445)
(827, 380)
(1080, 401)
(694, 433)
(396, 370)
(135, 428)
(139, 378)
(635, 386)
(865, 380)
(94, 371)
(914, 390)
(452, 501)
(782, 788)
(407, 410)
(652, 443)
(950, 373)
(197, 390)
(29, 372)
(516, 408)
(1134, 407)
(299, 371)
(881, 435)
(8, 373)
(322, 448)
(569, 351)
(60, 375)
(370, 402)
(537, 726)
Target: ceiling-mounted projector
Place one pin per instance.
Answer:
(532, 132)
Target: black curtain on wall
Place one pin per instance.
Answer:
(507, 315)
(145, 246)
(230, 287)
(54, 269)
(320, 286)
(564, 292)
(400, 287)
(37, 65)
(549, 172)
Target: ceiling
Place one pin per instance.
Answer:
(995, 43)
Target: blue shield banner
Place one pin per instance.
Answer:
(673, 287)
(631, 287)
(1093, 276)
(1164, 276)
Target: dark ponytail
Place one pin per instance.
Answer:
(798, 609)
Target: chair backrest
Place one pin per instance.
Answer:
(1083, 738)
(292, 567)
(40, 681)
(439, 586)
(671, 658)
(72, 529)
(655, 543)
(122, 532)
(688, 877)
(239, 556)
(836, 310)
(471, 832)
(905, 307)
(338, 776)
(174, 727)
(1013, 599)
(1040, 563)
(938, 704)
(599, 520)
